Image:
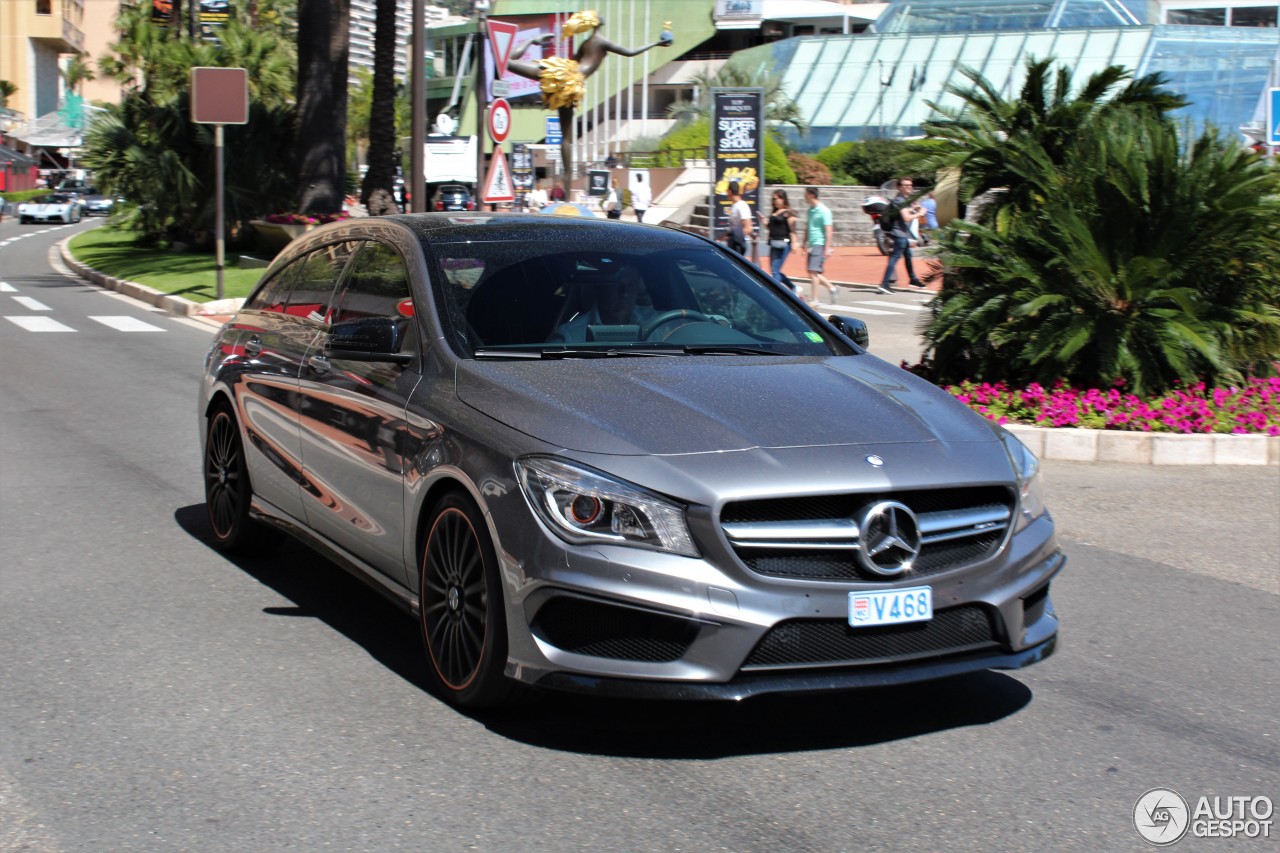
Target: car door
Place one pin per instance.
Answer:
(275, 329)
(352, 419)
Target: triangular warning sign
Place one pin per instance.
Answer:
(498, 186)
(502, 37)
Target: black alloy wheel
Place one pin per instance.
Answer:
(226, 487)
(462, 616)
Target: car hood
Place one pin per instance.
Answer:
(687, 405)
(44, 208)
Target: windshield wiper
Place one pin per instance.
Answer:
(552, 354)
(727, 349)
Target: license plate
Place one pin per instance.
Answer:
(891, 607)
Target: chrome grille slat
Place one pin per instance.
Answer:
(791, 544)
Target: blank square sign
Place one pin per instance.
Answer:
(219, 95)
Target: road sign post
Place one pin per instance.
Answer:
(219, 96)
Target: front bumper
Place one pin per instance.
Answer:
(625, 622)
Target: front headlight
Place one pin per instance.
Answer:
(584, 506)
(1027, 470)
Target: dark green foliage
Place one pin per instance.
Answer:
(872, 162)
(1133, 259)
(694, 140)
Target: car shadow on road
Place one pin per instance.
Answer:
(630, 728)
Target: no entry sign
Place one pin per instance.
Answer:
(499, 120)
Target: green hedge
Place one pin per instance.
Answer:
(19, 196)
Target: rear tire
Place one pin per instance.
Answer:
(227, 489)
(462, 614)
(884, 243)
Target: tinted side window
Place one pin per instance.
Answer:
(318, 276)
(379, 287)
(273, 295)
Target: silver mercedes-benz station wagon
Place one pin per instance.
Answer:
(598, 456)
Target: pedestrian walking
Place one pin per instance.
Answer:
(820, 241)
(741, 227)
(896, 222)
(641, 196)
(781, 222)
(612, 204)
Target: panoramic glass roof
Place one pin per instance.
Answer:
(954, 16)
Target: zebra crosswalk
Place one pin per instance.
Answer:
(41, 322)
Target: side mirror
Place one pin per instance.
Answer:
(853, 329)
(367, 339)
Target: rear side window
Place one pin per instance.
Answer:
(305, 287)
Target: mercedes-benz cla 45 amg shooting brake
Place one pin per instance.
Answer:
(600, 456)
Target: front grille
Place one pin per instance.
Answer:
(816, 538)
(832, 642)
(602, 630)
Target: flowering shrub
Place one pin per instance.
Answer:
(1253, 408)
(305, 218)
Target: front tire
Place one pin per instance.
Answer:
(462, 617)
(227, 489)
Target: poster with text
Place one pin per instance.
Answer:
(737, 151)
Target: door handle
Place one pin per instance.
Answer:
(318, 364)
(253, 347)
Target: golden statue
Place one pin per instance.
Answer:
(562, 79)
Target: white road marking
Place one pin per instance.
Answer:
(893, 305)
(6, 287)
(871, 311)
(127, 324)
(31, 304)
(40, 324)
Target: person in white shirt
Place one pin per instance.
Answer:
(537, 199)
(741, 224)
(641, 196)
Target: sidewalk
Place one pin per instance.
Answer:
(855, 266)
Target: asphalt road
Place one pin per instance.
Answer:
(156, 696)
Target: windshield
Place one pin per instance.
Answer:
(505, 299)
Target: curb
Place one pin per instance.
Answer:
(1145, 448)
(1063, 443)
(203, 311)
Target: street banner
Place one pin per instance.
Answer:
(162, 11)
(737, 151)
(521, 172)
(553, 130)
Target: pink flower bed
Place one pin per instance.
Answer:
(1250, 409)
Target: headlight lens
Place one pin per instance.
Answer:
(584, 506)
(1027, 469)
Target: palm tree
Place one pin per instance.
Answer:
(1013, 144)
(7, 91)
(779, 108)
(377, 193)
(1153, 263)
(321, 115)
(76, 72)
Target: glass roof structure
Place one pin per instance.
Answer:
(877, 84)
(952, 16)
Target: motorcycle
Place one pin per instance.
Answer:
(874, 206)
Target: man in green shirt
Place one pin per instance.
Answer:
(819, 240)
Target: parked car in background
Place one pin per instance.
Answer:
(599, 456)
(453, 197)
(58, 207)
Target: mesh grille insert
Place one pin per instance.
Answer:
(816, 642)
(603, 630)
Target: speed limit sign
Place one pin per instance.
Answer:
(499, 120)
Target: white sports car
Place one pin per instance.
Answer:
(50, 208)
